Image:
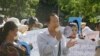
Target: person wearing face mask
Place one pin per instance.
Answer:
(52, 42)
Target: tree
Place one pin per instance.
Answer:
(45, 7)
(18, 8)
(87, 8)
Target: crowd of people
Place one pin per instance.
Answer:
(29, 37)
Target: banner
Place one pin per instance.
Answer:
(93, 35)
(83, 48)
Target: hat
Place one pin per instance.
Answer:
(15, 20)
(23, 28)
(83, 23)
(23, 21)
(32, 20)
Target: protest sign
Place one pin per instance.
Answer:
(93, 35)
(83, 48)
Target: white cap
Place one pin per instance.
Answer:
(73, 24)
(15, 20)
(23, 21)
(83, 23)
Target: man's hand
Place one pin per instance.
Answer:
(73, 36)
(58, 34)
(71, 43)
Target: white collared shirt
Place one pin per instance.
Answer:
(48, 45)
(86, 30)
(31, 37)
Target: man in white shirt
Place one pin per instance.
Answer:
(51, 42)
(85, 29)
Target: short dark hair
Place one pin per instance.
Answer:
(48, 17)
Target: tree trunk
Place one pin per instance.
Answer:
(44, 8)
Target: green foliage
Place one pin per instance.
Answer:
(87, 8)
(18, 8)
